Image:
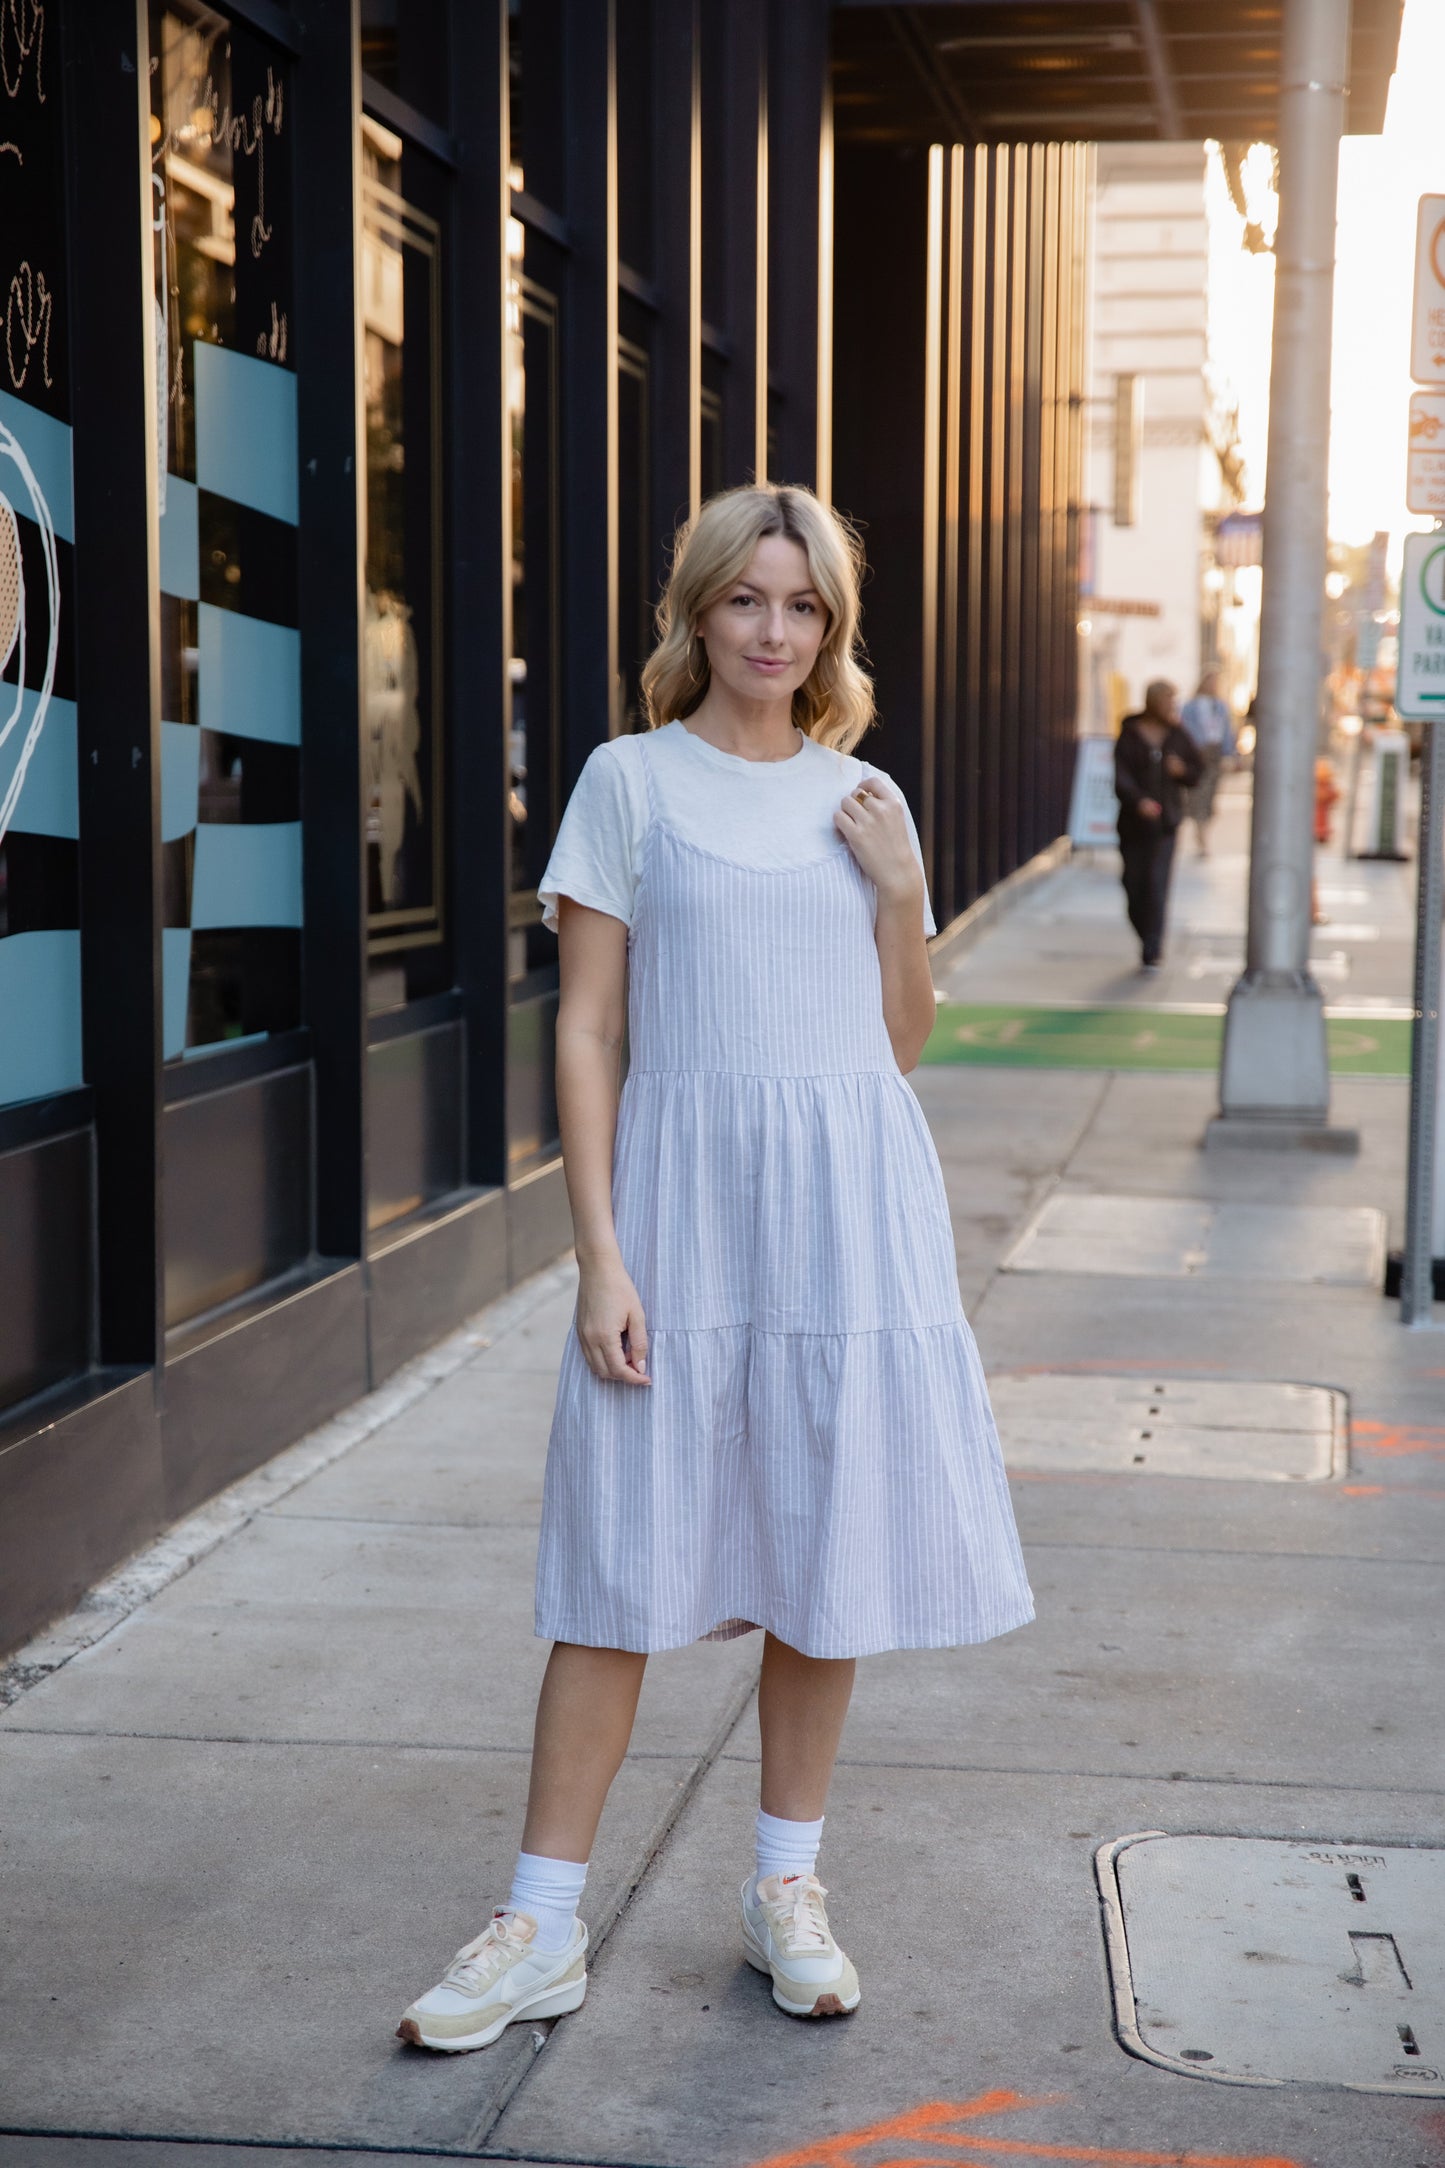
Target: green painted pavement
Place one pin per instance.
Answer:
(991, 1037)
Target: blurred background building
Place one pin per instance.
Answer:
(360, 361)
(1159, 600)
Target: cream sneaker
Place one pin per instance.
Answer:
(786, 1933)
(493, 1980)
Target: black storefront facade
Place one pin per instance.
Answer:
(360, 361)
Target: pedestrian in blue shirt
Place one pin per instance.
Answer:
(1207, 719)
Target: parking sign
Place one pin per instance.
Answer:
(1420, 685)
(1425, 471)
(1427, 332)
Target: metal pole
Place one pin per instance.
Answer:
(1274, 1074)
(1416, 1289)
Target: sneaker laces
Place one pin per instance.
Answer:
(807, 1922)
(479, 1963)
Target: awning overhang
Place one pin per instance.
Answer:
(982, 71)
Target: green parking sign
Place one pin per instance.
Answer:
(1420, 683)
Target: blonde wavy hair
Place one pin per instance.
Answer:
(710, 554)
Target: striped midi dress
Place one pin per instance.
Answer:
(815, 1454)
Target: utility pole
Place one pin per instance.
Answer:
(1274, 1085)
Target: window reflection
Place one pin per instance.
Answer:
(532, 398)
(41, 1034)
(534, 283)
(536, 55)
(516, 89)
(636, 134)
(406, 49)
(711, 430)
(402, 752)
(220, 135)
(220, 162)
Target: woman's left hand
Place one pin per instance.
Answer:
(873, 825)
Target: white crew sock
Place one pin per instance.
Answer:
(549, 1892)
(787, 1847)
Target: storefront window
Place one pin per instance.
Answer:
(536, 44)
(535, 665)
(403, 765)
(40, 1010)
(711, 426)
(532, 391)
(406, 49)
(636, 134)
(226, 450)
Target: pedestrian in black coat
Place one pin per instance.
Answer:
(1156, 762)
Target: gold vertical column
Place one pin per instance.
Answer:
(932, 388)
(824, 455)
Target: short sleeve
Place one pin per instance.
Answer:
(929, 926)
(594, 857)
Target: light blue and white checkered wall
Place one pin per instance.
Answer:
(40, 1007)
(230, 762)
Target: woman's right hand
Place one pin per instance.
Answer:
(611, 1326)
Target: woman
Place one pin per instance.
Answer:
(1155, 763)
(1206, 718)
(770, 1412)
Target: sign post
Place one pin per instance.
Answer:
(1420, 694)
(1424, 1238)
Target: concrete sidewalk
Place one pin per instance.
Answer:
(252, 1819)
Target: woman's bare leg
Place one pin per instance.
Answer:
(802, 1702)
(585, 1713)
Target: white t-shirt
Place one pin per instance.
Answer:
(764, 813)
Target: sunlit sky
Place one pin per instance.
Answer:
(1381, 179)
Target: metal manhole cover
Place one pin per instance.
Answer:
(1064, 1422)
(1194, 1238)
(1261, 1962)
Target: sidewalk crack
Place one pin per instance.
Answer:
(732, 1713)
(1046, 1188)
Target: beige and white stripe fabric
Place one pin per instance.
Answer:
(815, 1454)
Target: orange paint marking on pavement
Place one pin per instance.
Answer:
(1394, 1440)
(927, 2124)
(1362, 1490)
(915, 2123)
(1126, 2159)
